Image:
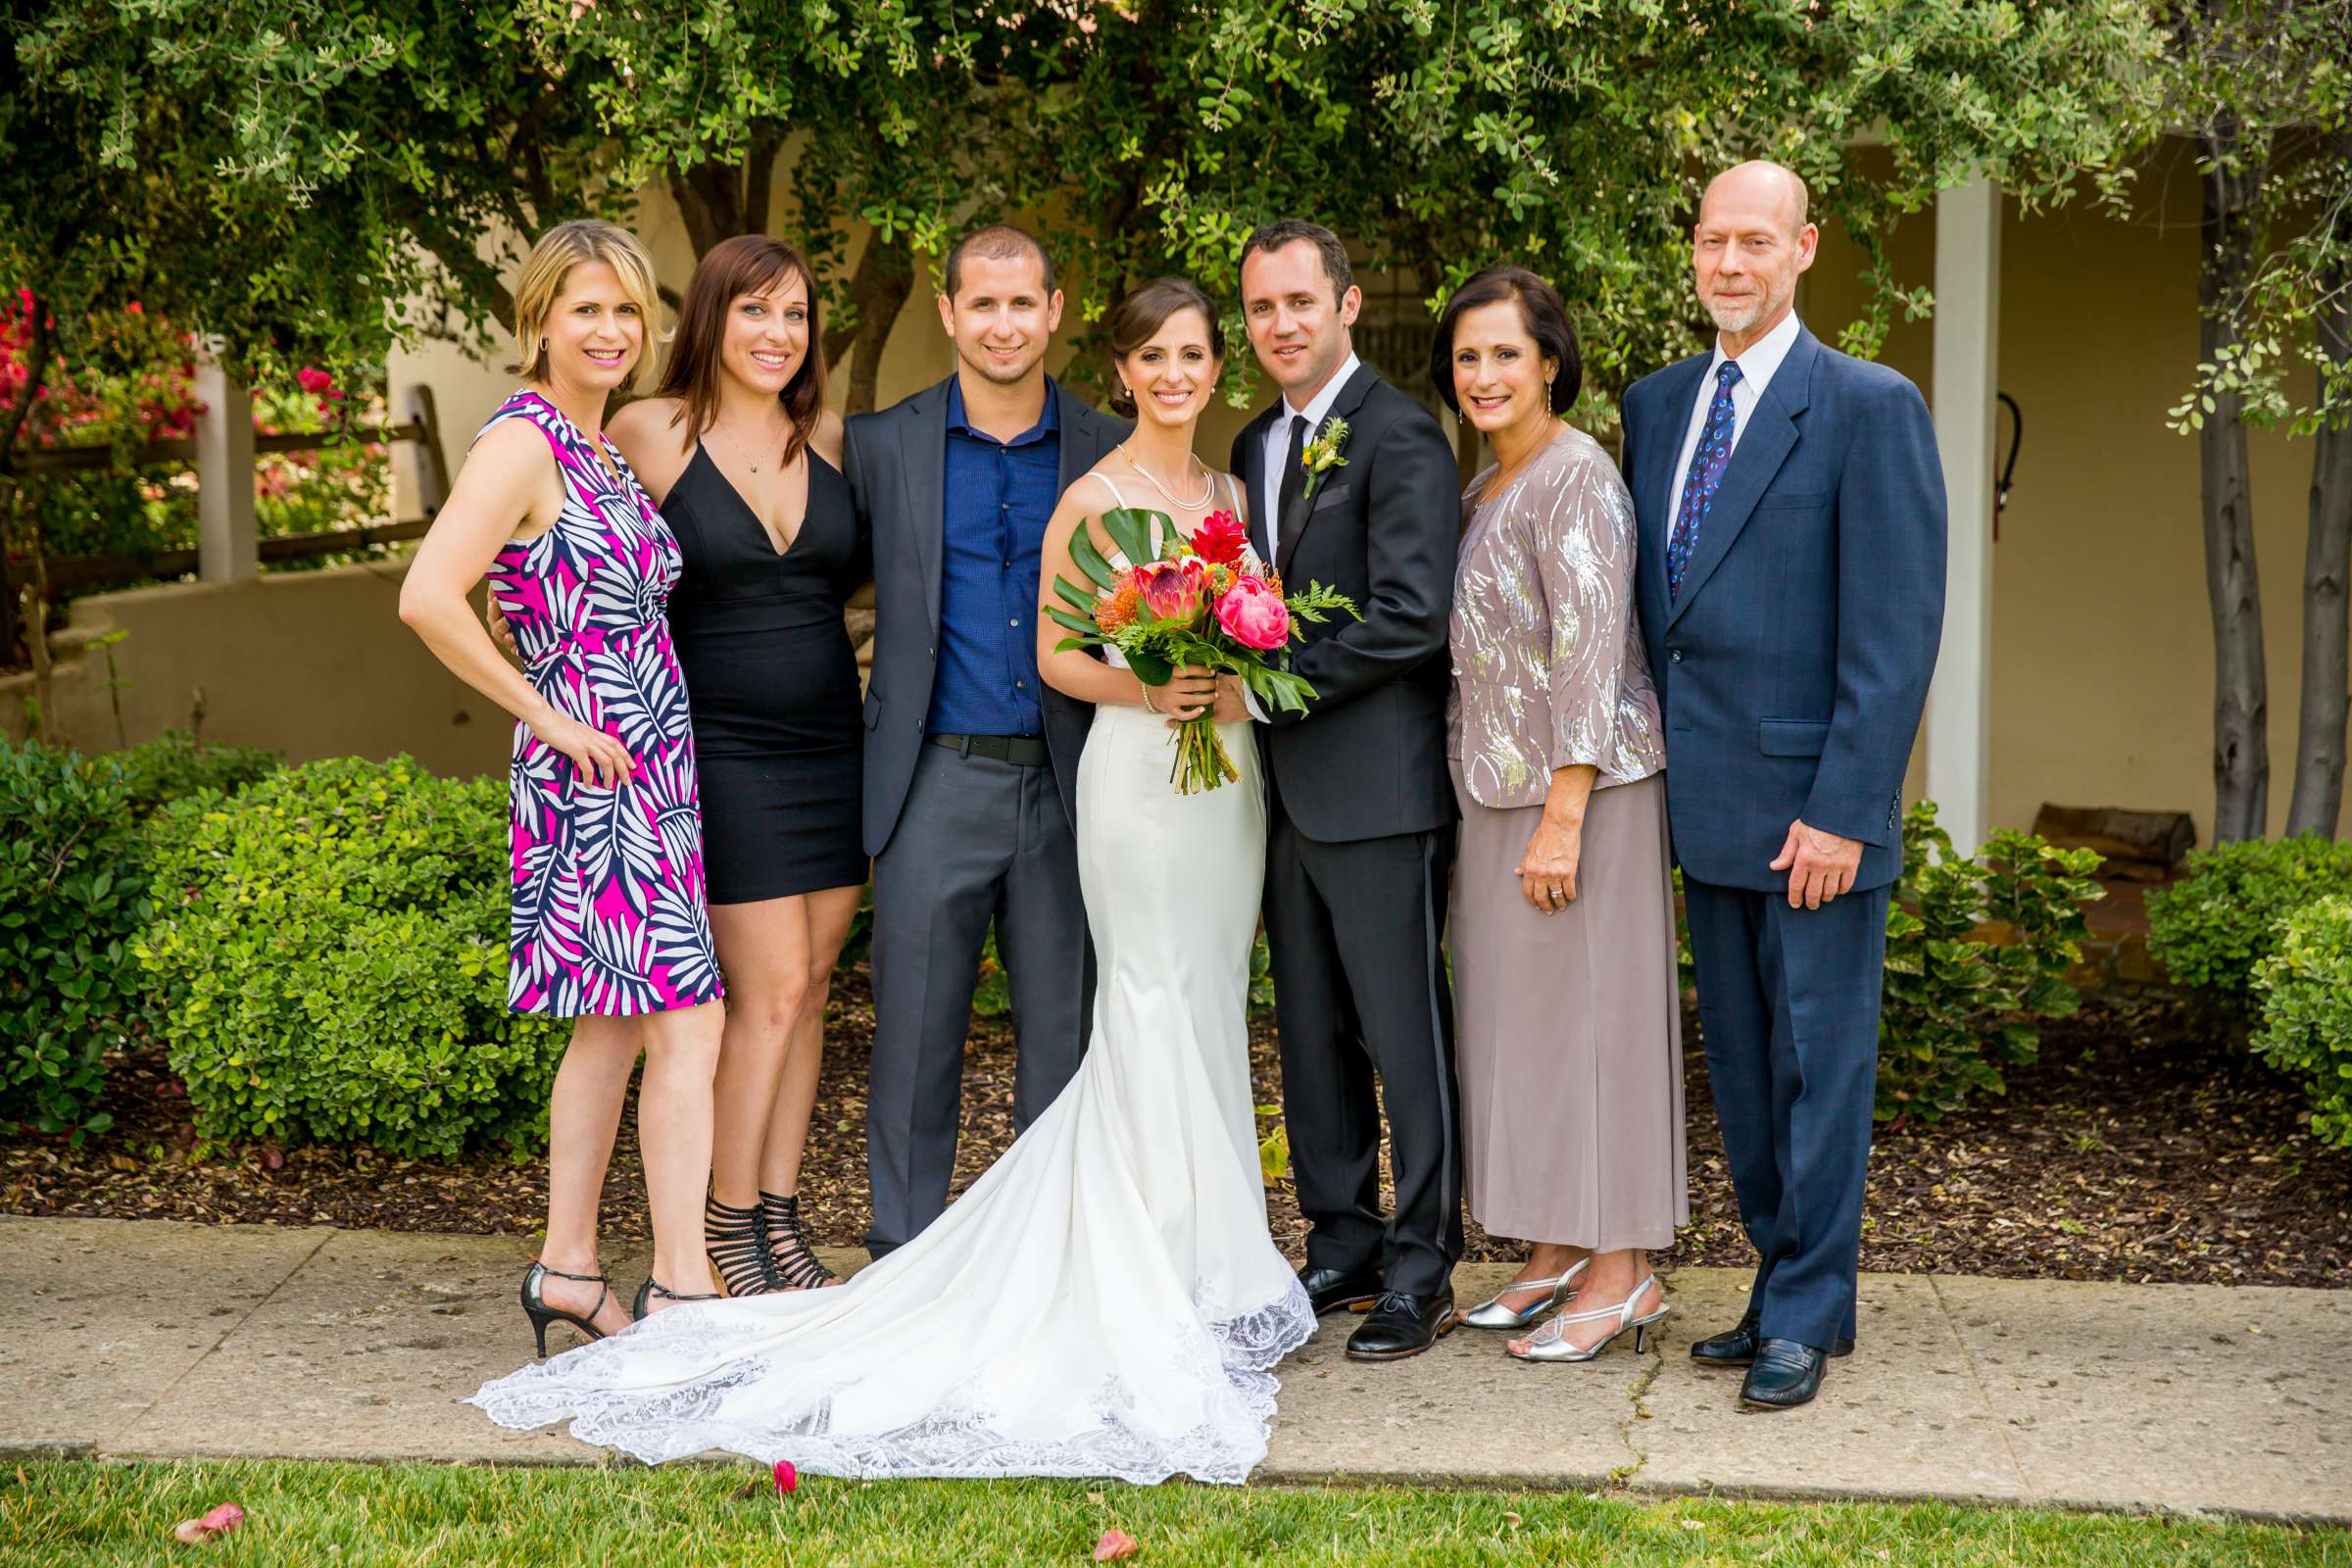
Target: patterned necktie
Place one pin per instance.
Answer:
(1707, 463)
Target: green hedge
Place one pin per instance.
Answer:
(72, 894)
(2214, 928)
(175, 765)
(1978, 948)
(2305, 984)
(73, 887)
(332, 946)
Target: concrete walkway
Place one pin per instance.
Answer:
(153, 1339)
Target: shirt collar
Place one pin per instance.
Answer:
(1763, 356)
(1048, 423)
(1323, 400)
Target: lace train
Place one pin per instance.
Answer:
(959, 1439)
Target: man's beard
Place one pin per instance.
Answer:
(1739, 315)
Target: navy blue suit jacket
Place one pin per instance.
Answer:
(1793, 666)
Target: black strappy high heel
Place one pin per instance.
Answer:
(534, 1302)
(736, 1240)
(798, 1267)
(653, 1288)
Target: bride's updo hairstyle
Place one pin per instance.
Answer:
(1141, 314)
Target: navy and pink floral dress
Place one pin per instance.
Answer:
(609, 914)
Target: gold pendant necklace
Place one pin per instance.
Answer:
(1207, 485)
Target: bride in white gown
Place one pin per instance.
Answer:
(1107, 1300)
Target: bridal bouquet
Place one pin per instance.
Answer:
(1206, 603)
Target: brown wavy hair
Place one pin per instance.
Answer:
(748, 263)
(1142, 313)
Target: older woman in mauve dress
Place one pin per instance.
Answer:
(1569, 1043)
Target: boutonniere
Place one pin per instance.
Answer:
(1322, 454)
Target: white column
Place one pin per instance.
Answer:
(1968, 317)
(225, 540)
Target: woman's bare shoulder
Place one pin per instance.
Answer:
(646, 420)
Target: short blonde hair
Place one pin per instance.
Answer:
(560, 250)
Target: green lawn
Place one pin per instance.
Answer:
(57, 1514)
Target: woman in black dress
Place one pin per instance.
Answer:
(742, 457)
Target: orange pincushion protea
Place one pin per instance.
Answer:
(1119, 610)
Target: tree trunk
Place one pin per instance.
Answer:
(878, 289)
(2241, 765)
(2319, 796)
(720, 201)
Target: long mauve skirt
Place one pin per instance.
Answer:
(1569, 1038)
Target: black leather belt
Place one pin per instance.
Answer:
(1023, 751)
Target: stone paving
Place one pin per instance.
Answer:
(154, 1339)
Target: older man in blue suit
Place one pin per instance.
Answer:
(1791, 587)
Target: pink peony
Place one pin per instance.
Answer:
(1173, 589)
(1253, 615)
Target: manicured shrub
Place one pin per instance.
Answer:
(2305, 986)
(72, 899)
(175, 765)
(2213, 928)
(1977, 953)
(332, 946)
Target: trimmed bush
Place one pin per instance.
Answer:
(1977, 953)
(331, 944)
(2214, 928)
(175, 765)
(72, 897)
(2305, 984)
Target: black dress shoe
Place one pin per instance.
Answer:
(1331, 1289)
(1402, 1325)
(1785, 1374)
(1737, 1347)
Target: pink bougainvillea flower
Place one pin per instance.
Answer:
(1219, 538)
(788, 1479)
(1173, 589)
(1253, 615)
(1116, 1546)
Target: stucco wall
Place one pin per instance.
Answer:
(310, 665)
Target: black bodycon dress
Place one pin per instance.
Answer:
(771, 683)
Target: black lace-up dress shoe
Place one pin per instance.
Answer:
(1329, 1290)
(1402, 1325)
(1784, 1375)
(1737, 1347)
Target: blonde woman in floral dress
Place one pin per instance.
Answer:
(608, 922)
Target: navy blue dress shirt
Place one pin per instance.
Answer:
(1000, 496)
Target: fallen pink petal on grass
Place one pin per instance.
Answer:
(1116, 1546)
(224, 1518)
(787, 1478)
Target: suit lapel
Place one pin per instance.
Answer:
(923, 454)
(1765, 444)
(1296, 518)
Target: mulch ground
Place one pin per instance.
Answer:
(2143, 1146)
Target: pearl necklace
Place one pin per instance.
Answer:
(1209, 485)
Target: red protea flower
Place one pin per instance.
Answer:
(1219, 538)
(1173, 589)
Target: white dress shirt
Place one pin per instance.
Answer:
(1756, 367)
(1278, 450)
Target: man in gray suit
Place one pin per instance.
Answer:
(971, 762)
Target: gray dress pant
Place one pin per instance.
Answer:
(978, 841)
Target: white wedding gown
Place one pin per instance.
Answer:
(1107, 1300)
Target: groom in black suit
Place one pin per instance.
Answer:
(1360, 811)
